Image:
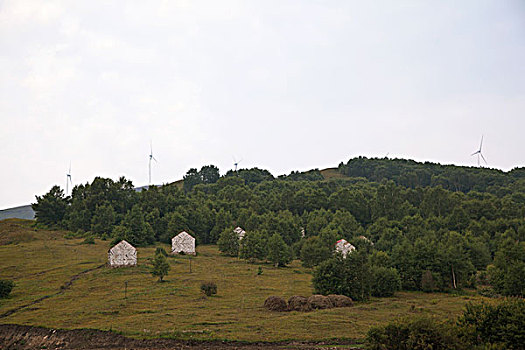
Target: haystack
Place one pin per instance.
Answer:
(274, 303)
(318, 301)
(298, 303)
(340, 300)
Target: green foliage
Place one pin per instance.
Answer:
(385, 281)
(51, 207)
(209, 288)
(447, 220)
(508, 273)
(279, 253)
(228, 242)
(161, 251)
(314, 251)
(89, 240)
(350, 276)
(6, 286)
(161, 266)
(103, 219)
(501, 326)
(253, 247)
(135, 229)
(418, 333)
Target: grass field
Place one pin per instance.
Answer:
(42, 262)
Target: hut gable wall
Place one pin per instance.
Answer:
(122, 254)
(183, 243)
(343, 247)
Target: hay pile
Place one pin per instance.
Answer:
(303, 304)
(340, 300)
(320, 302)
(299, 303)
(274, 303)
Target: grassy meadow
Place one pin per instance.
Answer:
(41, 262)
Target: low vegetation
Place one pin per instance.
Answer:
(129, 300)
(481, 326)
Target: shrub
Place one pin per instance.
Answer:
(416, 334)
(499, 326)
(385, 281)
(209, 288)
(6, 286)
(89, 240)
(274, 303)
(160, 266)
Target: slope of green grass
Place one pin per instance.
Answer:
(177, 307)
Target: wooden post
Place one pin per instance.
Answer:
(453, 277)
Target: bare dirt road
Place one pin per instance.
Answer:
(27, 337)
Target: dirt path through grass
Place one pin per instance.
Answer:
(62, 290)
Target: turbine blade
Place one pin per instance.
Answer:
(154, 159)
(481, 144)
(481, 154)
(475, 153)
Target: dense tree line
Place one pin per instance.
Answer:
(455, 232)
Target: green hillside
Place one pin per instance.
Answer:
(63, 283)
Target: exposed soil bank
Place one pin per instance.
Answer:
(27, 337)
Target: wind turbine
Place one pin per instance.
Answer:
(478, 152)
(68, 179)
(150, 158)
(236, 163)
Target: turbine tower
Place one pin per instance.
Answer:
(68, 179)
(478, 152)
(236, 163)
(150, 158)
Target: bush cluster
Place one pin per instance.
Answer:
(209, 288)
(6, 286)
(482, 326)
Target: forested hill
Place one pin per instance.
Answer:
(446, 222)
(412, 174)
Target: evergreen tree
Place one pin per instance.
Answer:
(51, 207)
(161, 266)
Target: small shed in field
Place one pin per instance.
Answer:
(240, 232)
(183, 243)
(122, 254)
(343, 247)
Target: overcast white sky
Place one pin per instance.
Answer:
(284, 85)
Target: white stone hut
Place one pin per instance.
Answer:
(183, 243)
(240, 232)
(122, 254)
(366, 240)
(343, 247)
